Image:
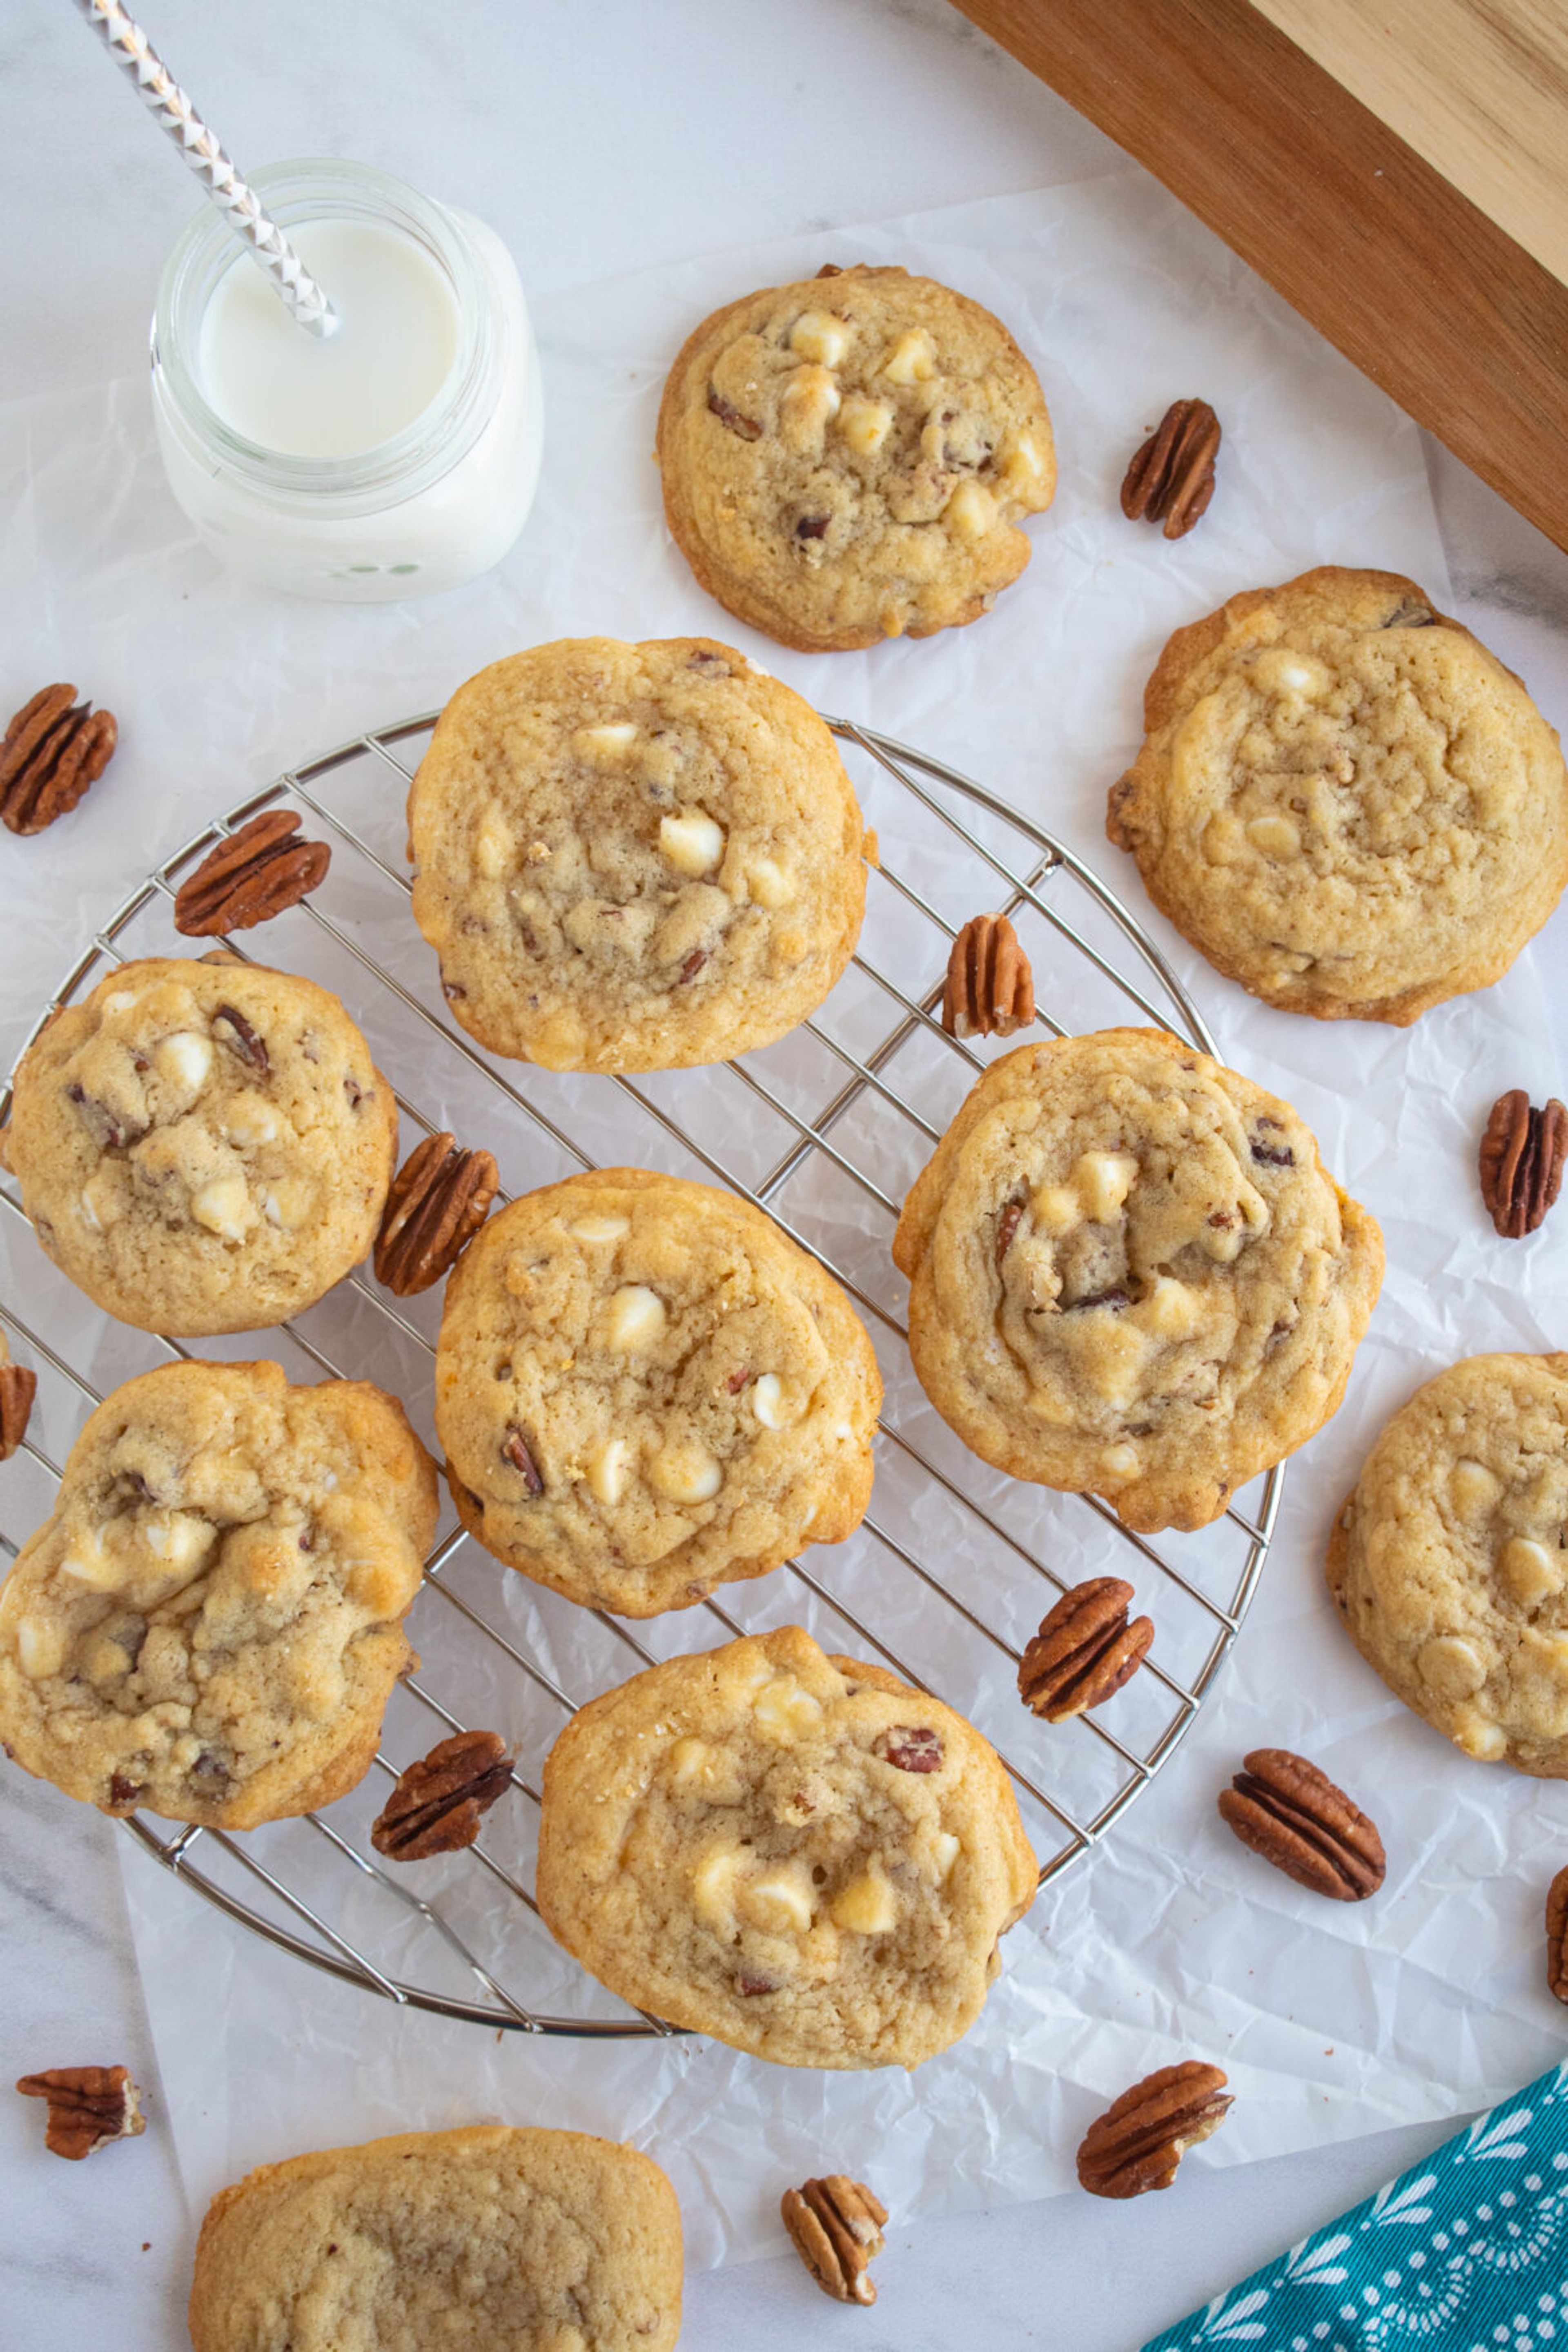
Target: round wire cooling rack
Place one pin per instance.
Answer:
(954, 1564)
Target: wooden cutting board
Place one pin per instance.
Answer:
(1397, 169)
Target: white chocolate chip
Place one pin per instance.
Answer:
(867, 1906)
(1112, 1357)
(690, 1763)
(249, 1120)
(1224, 839)
(600, 1230)
(1170, 1311)
(818, 335)
(1474, 1489)
(90, 1562)
(784, 1712)
(809, 401)
(637, 1317)
(1450, 1667)
(912, 358)
(226, 1208)
(686, 1474)
(769, 885)
(120, 1000)
(493, 845)
(40, 1648)
(289, 1205)
(1274, 836)
(767, 1397)
(779, 1902)
(608, 743)
(712, 1883)
(1102, 1181)
(180, 1539)
(1120, 1462)
(186, 1061)
(1528, 1571)
(691, 842)
(971, 511)
(1056, 1208)
(1478, 1736)
(865, 424)
(947, 1849)
(607, 1472)
(1023, 464)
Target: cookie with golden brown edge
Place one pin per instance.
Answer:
(210, 1622)
(634, 857)
(646, 1388)
(203, 1147)
(847, 458)
(1449, 1563)
(1343, 800)
(791, 1852)
(1132, 1276)
(485, 2239)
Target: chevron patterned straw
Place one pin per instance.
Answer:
(241, 207)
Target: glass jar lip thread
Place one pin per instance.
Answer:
(313, 187)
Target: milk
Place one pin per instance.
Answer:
(338, 395)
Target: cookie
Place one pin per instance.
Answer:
(1450, 1562)
(1131, 1276)
(203, 1147)
(634, 857)
(791, 1852)
(847, 458)
(645, 1389)
(210, 1622)
(1343, 800)
(478, 2241)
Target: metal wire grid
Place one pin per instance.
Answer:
(979, 847)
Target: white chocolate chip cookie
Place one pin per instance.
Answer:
(1343, 800)
(793, 1852)
(848, 458)
(1450, 1562)
(634, 857)
(203, 1147)
(645, 1389)
(1131, 1276)
(210, 1623)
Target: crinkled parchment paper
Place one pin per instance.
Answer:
(1171, 1940)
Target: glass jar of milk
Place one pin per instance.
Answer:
(395, 456)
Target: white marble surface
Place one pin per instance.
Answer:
(594, 143)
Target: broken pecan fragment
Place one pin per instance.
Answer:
(837, 2226)
(245, 1041)
(1521, 1162)
(910, 1748)
(516, 1451)
(88, 2105)
(989, 984)
(1294, 1816)
(1084, 1651)
(1143, 2137)
(437, 1804)
(730, 417)
(1557, 1935)
(53, 750)
(251, 877)
(18, 1386)
(1171, 479)
(1006, 1226)
(439, 1199)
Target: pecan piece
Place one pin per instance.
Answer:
(730, 418)
(837, 2226)
(1557, 1936)
(910, 1748)
(437, 1804)
(18, 1387)
(54, 749)
(245, 1041)
(1084, 1651)
(251, 877)
(516, 1451)
(1171, 479)
(1293, 1815)
(1521, 1162)
(989, 983)
(1006, 1226)
(439, 1199)
(88, 2105)
(1142, 2137)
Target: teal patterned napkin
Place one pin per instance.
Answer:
(1468, 2249)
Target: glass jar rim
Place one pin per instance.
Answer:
(315, 188)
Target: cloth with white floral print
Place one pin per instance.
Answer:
(1468, 2248)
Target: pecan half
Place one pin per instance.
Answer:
(837, 2226)
(1084, 1651)
(437, 1804)
(53, 750)
(1557, 1935)
(251, 877)
(18, 1387)
(989, 983)
(1294, 1816)
(439, 1199)
(88, 2105)
(1171, 479)
(910, 1748)
(1521, 1162)
(1143, 2136)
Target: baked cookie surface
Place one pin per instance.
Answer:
(1450, 1562)
(1130, 1275)
(1343, 800)
(201, 1146)
(847, 458)
(486, 2240)
(210, 1622)
(634, 857)
(646, 1388)
(791, 1852)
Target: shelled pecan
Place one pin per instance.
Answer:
(1143, 2137)
(18, 1386)
(254, 875)
(438, 1803)
(439, 1199)
(87, 2105)
(1084, 1650)
(1521, 1160)
(1295, 1817)
(1557, 1935)
(53, 750)
(837, 2226)
(989, 984)
(1171, 479)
